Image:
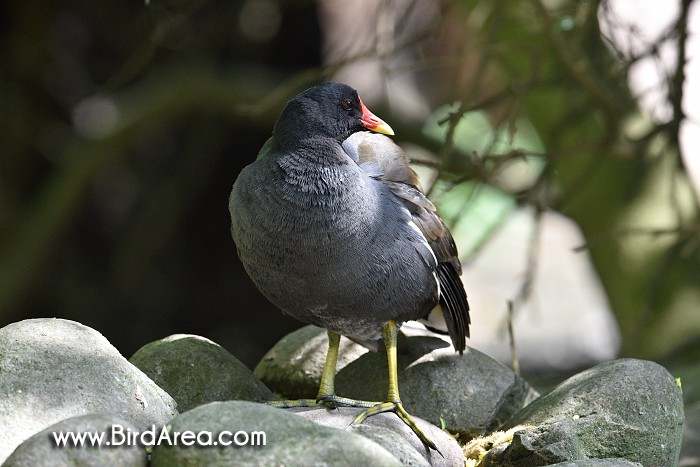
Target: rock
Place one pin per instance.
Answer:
(689, 374)
(43, 449)
(690, 450)
(397, 445)
(292, 367)
(195, 370)
(54, 369)
(489, 393)
(630, 409)
(472, 394)
(289, 439)
(617, 462)
(394, 435)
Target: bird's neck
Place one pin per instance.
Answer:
(309, 172)
(312, 158)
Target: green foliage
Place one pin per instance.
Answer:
(122, 134)
(550, 67)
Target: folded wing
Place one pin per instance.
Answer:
(388, 163)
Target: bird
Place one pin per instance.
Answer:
(332, 227)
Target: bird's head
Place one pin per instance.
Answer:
(328, 110)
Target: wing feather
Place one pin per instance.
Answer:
(388, 163)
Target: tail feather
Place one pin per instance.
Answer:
(455, 307)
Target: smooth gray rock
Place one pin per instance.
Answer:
(617, 462)
(690, 378)
(195, 370)
(54, 369)
(43, 449)
(472, 393)
(393, 434)
(690, 450)
(630, 409)
(397, 445)
(292, 367)
(290, 439)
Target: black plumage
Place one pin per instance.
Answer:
(331, 226)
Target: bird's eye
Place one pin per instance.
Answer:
(347, 104)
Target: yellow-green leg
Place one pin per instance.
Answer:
(326, 391)
(393, 401)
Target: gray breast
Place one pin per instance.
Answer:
(330, 246)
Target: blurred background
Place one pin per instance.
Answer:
(559, 139)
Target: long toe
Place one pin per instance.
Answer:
(332, 401)
(397, 408)
(289, 404)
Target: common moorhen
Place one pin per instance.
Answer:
(331, 226)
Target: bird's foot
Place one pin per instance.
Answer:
(289, 404)
(330, 401)
(397, 408)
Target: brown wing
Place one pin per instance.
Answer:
(387, 162)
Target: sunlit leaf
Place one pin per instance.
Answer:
(473, 211)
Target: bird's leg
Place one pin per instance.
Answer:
(327, 387)
(326, 391)
(393, 401)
